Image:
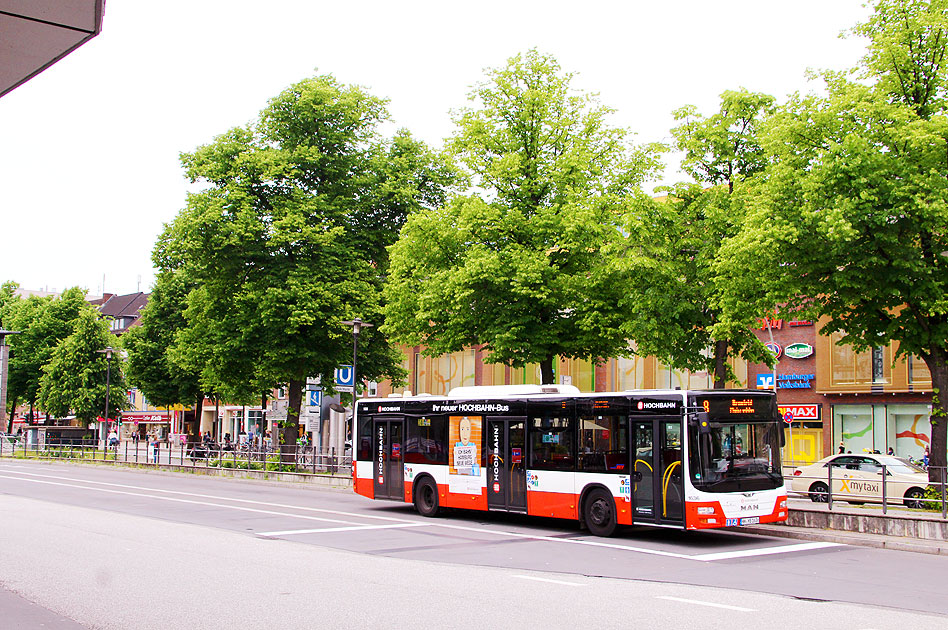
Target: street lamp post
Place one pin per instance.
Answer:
(108, 378)
(357, 326)
(4, 357)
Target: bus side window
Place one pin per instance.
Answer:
(552, 444)
(603, 444)
(427, 440)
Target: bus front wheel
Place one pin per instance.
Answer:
(599, 512)
(426, 497)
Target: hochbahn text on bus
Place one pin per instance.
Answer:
(670, 458)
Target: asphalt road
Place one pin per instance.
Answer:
(112, 548)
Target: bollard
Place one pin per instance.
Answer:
(883, 490)
(829, 489)
(944, 505)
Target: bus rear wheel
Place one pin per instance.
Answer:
(599, 512)
(426, 497)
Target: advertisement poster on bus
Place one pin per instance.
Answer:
(464, 470)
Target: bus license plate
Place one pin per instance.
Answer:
(750, 520)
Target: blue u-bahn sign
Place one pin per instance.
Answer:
(344, 376)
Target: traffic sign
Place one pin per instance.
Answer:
(315, 398)
(344, 376)
(788, 417)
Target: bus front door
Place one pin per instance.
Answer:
(672, 476)
(389, 471)
(506, 473)
(657, 487)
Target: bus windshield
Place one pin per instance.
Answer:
(736, 457)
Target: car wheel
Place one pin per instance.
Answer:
(426, 497)
(819, 492)
(913, 498)
(600, 513)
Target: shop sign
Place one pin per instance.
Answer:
(765, 381)
(766, 322)
(799, 350)
(800, 412)
(799, 322)
(774, 348)
(794, 381)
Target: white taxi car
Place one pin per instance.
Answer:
(857, 478)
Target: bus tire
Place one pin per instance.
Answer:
(426, 497)
(599, 513)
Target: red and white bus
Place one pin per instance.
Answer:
(668, 458)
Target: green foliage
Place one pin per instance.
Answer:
(43, 324)
(74, 380)
(672, 243)
(288, 239)
(519, 268)
(149, 366)
(850, 220)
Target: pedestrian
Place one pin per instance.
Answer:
(925, 458)
(841, 447)
(113, 438)
(891, 451)
(155, 447)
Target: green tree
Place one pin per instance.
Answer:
(8, 301)
(288, 240)
(74, 380)
(851, 220)
(149, 366)
(519, 267)
(43, 324)
(673, 242)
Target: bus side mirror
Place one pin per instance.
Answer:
(704, 422)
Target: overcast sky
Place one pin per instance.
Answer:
(89, 168)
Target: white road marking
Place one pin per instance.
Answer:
(539, 579)
(701, 603)
(354, 528)
(216, 497)
(764, 551)
(177, 500)
(570, 541)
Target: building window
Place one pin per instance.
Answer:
(918, 373)
(859, 368)
(629, 373)
(527, 375)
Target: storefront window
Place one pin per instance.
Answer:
(629, 373)
(852, 425)
(529, 375)
(909, 427)
(581, 373)
(449, 371)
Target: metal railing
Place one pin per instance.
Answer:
(831, 486)
(297, 460)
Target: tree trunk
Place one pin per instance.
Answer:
(194, 430)
(720, 363)
(937, 362)
(546, 370)
(289, 431)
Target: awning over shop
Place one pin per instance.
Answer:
(35, 34)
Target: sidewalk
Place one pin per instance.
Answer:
(865, 525)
